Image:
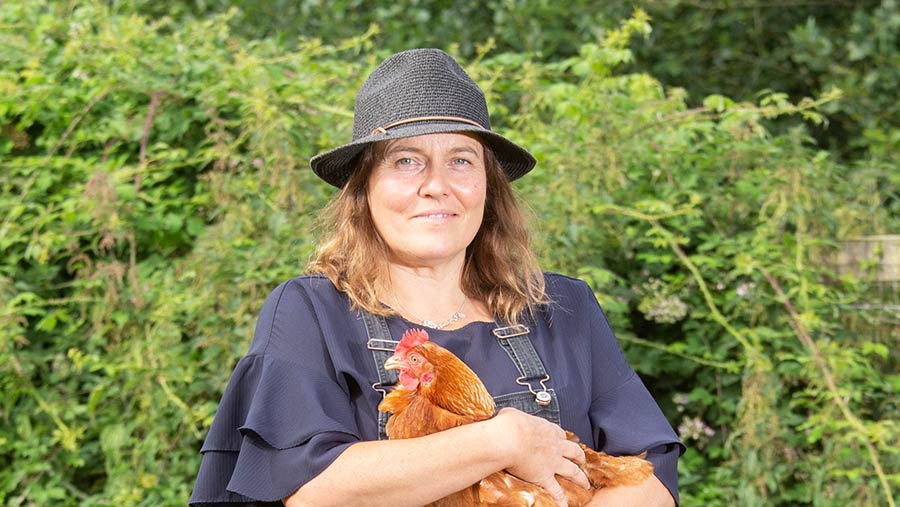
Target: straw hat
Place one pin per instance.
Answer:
(416, 92)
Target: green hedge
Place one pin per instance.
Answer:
(155, 188)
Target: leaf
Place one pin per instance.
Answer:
(879, 349)
(718, 103)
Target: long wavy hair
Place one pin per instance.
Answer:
(500, 269)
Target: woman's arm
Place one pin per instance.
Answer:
(417, 471)
(650, 493)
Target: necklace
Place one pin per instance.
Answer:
(458, 314)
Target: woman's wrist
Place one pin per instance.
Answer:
(503, 436)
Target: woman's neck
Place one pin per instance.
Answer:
(434, 294)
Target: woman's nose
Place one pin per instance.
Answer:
(435, 182)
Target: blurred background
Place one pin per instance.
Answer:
(724, 173)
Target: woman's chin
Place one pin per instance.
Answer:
(430, 258)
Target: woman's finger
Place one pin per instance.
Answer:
(555, 490)
(574, 473)
(574, 452)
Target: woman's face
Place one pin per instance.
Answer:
(427, 196)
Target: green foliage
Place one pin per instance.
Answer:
(517, 25)
(709, 47)
(701, 216)
(800, 50)
(153, 192)
(155, 188)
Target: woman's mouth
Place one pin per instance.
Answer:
(436, 215)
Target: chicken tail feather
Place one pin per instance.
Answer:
(501, 489)
(606, 471)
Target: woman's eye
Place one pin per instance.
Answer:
(461, 161)
(407, 163)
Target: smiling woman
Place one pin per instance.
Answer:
(426, 231)
(356, 256)
(426, 197)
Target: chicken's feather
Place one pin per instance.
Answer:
(420, 417)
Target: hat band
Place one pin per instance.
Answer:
(383, 130)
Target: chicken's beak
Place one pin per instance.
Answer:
(393, 363)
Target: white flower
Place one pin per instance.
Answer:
(692, 428)
(744, 289)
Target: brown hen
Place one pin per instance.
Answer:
(437, 391)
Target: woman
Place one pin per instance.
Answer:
(426, 232)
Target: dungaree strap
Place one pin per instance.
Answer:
(382, 347)
(515, 342)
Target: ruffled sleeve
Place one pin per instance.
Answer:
(626, 420)
(624, 416)
(277, 427)
(279, 424)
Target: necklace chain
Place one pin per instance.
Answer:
(458, 314)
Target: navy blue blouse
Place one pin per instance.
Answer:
(303, 393)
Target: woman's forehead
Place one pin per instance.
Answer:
(446, 140)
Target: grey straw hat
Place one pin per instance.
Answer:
(416, 92)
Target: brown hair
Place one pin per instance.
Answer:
(500, 269)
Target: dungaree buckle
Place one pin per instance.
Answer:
(379, 387)
(541, 397)
(510, 331)
(385, 345)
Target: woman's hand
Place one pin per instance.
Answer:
(538, 451)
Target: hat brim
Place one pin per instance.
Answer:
(335, 166)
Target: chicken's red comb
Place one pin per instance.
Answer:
(411, 338)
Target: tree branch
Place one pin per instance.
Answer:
(803, 335)
(75, 121)
(148, 124)
(695, 272)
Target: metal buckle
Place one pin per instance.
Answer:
(541, 397)
(510, 331)
(385, 345)
(379, 388)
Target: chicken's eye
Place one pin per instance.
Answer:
(414, 359)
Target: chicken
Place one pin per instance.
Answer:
(437, 391)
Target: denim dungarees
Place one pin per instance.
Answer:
(536, 399)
